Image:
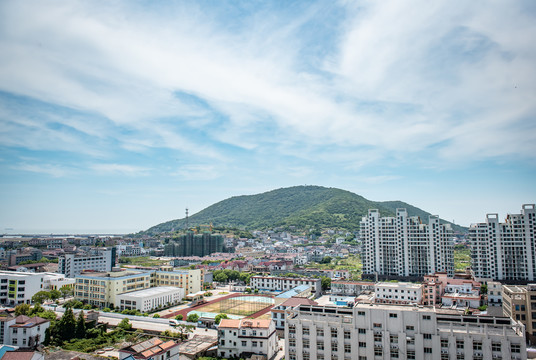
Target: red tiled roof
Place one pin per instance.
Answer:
(18, 355)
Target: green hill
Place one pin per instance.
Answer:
(299, 206)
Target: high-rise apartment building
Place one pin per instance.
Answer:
(369, 331)
(191, 244)
(403, 246)
(505, 251)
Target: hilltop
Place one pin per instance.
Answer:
(300, 206)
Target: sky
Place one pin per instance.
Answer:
(117, 115)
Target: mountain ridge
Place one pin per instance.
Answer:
(305, 206)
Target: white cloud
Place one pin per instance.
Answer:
(122, 169)
(53, 170)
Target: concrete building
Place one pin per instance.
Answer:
(464, 295)
(402, 246)
(273, 283)
(439, 288)
(350, 288)
(399, 331)
(245, 337)
(102, 289)
(505, 251)
(55, 281)
(398, 293)
(98, 259)
(494, 293)
(22, 331)
(150, 299)
(519, 303)
(17, 287)
(279, 311)
(191, 280)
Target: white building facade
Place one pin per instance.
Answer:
(149, 299)
(100, 260)
(245, 337)
(17, 287)
(23, 331)
(404, 246)
(272, 283)
(505, 251)
(398, 293)
(399, 332)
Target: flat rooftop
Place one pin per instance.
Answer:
(160, 290)
(112, 274)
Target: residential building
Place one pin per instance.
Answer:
(150, 299)
(55, 281)
(519, 303)
(398, 293)
(439, 288)
(272, 283)
(279, 311)
(402, 246)
(22, 331)
(495, 293)
(98, 259)
(152, 349)
(245, 337)
(191, 244)
(505, 250)
(15, 257)
(379, 331)
(350, 288)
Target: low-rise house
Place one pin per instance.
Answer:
(22, 331)
(461, 295)
(398, 293)
(494, 293)
(246, 337)
(284, 283)
(150, 299)
(154, 349)
(350, 288)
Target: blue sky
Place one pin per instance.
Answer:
(116, 116)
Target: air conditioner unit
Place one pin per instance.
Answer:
(394, 346)
(444, 351)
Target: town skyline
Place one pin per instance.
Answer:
(116, 117)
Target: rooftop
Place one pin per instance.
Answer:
(160, 290)
(245, 323)
(149, 348)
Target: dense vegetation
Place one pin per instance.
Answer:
(300, 207)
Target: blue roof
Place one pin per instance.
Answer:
(6, 348)
(293, 292)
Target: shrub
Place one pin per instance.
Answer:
(192, 318)
(179, 317)
(156, 316)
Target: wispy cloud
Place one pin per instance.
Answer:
(128, 170)
(53, 170)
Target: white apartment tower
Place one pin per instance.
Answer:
(404, 246)
(505, 251)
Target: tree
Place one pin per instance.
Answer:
(22, 309)
(66, 325)
(219, 317)
(80, 326)
(326, 283)
(36, 310)
(125, 324)
(40, 297)
(184, 330)
(54, 295)
(326, 260)
(484, 289)
(179, 317)
(66, 291)
(220, 277)
(156, 316)
(192, 318)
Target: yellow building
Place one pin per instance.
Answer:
(101, 289)
(190, 280)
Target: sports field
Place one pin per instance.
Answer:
(241, 306)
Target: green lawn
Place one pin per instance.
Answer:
(462, 258)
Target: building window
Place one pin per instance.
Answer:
(320, 345)
(305, 331)
(427, 336)
(515, 348)
(334, 332)
(427, 350)
(477, 345)
(362, 331)
(306, 344)
(427, 317)
(319, 332)
(459, 344)
(244, 343)
(347, 334)
(411, 354)
(347, 348)
(377, 325)
(445, 343)
(495, 346)
(393, 316)
(410, 328)
(360, 313)
(362, 344)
